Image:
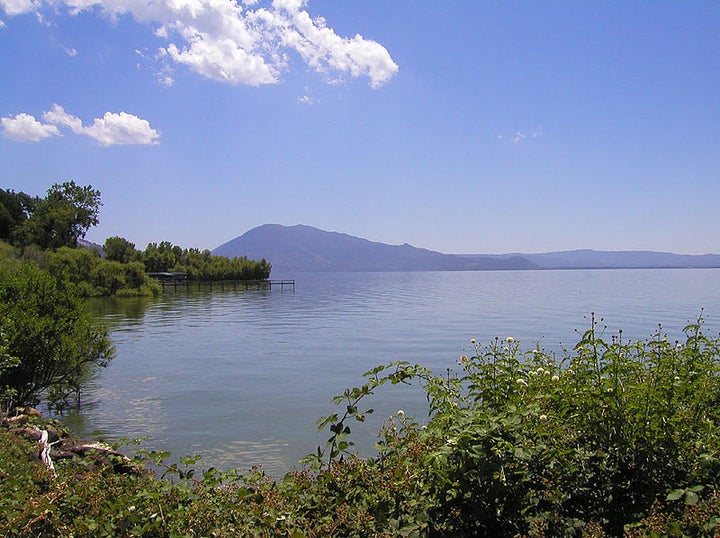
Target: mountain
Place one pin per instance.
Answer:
(594, 259)
(303, 248)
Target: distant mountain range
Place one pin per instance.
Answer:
(302, 248)
(629, 259)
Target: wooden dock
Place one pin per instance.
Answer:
(175, 285)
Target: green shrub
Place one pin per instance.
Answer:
(46, 329)
(520, 442)
(613, 438)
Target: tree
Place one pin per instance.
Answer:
(119, 249)
(62, 217)
(15, 208)
(47, 329)
(75, 264)
(108, 277)
(161, 257)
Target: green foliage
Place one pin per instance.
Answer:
(7, 363)
(61, 218)
(8, 257)
(614, 438)
(96, 276)
(523, 443)
(119, 249)
(15, 207)
(201, 265)
(47, 329)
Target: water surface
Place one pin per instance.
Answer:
(240, 377)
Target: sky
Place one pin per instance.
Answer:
(461, 126)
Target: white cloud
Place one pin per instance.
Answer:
(322, 48)
(111, 129)
(57, 116)
(242, 42)
(224, 60)
(520, 136)
(25, 128)
(16, 7)
(122, 128)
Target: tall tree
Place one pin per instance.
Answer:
(119, 249)
(62, 217)
(15, 208)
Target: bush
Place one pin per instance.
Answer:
(521, 443)
(48, 331)
(613, 438)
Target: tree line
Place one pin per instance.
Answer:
(48, 231)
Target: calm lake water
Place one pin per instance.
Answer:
(240, 377)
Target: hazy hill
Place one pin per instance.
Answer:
(304, 248)
(594, 259)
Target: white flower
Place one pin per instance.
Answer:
(401, 413)
(543, 417)
(556, 378)
(540, 371)
(472, 340)
(509, 339)
(521, 381)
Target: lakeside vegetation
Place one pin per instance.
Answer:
(610, 438)
(49, 344)
(48, 231)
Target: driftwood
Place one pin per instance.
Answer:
(97, 455)
(45, 453)
(55, 445)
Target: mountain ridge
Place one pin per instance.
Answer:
(302, 248)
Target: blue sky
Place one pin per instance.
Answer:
(460, 126)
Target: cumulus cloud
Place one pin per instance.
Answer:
(122, 128)
(242, 42)
(112, 129)
(25, 128)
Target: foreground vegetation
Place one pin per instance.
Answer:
(611, 438)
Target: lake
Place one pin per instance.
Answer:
(240, 377)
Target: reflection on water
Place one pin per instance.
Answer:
(274, 454)
(240, 377)
(119, 311)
